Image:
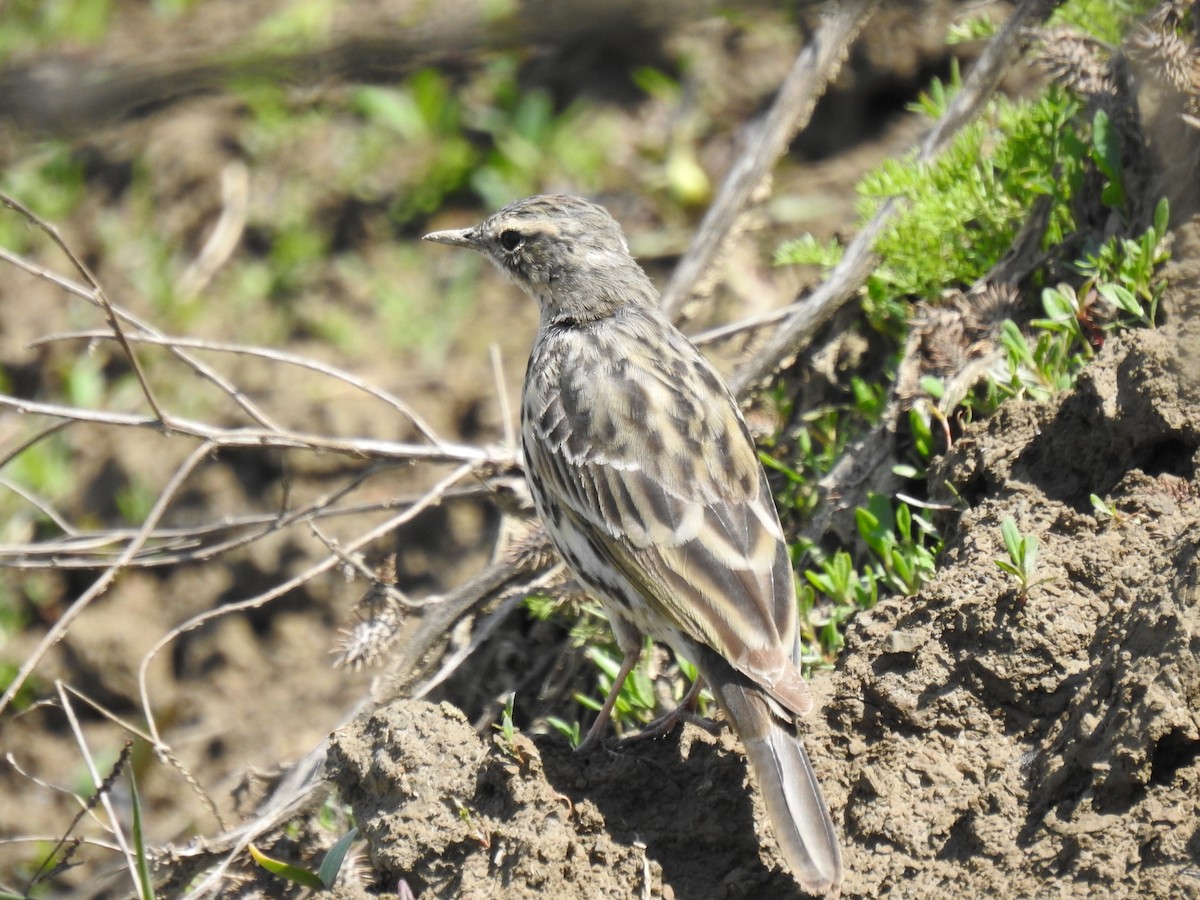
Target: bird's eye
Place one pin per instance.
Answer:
(511, 240)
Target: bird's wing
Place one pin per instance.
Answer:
(642, 445)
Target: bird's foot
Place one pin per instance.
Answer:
(664, 725)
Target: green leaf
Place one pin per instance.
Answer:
(392, 109)
(145, 885)
(639, 689)
(934, 387)
(1121, 297)
(655, 83)
(284, 870)
(604, 662)
(821, 582)
(1162, 217)
(1029, 544)
(807, 250)
(569, 730)
(1012, 539)
(1107, 154)
(332, 864)
(976, 28)
(1008, 567)
(1058, 305)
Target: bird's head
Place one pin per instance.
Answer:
(567, 252)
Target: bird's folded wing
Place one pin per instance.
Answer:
(680, 506)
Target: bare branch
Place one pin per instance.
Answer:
(204, 371)
(76, 609)
(102, 785)
(266, 438)
(480, 634)
(97, 293)
(40, 504)
(817, 64)
(226, 233)
(434, 496)
(266, 353)
(858, 260)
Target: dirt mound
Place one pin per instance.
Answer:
(454, 817)
(987, 743)
(975, 742)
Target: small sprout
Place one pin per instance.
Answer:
(569, 730)
(332, 864)
(1105, 511)
(506, 740)
(294, 874)
(324, 878)
(473, 828)
(1022, 558)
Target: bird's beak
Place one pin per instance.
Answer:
(460, 237)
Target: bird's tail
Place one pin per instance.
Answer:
(799, 816)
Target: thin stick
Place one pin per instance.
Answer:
(40, 504)
(164, 753)
(485, 630)
(266, 437)
(97, 292)
(99, 783)
(432, 498)
(204, 371)
(506, 421)
(269, 354)
(101, 584)
(225, 235)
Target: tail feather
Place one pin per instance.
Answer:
(797, 809)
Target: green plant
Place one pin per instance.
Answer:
(838, 580)
(636, 703)
(1105, 511)
(985, 178)
(1107, 20)
(1022, 558)
(496, 138)
(1125, 270)
(322, 879)
(144, 883)
(39, 23)
(905, 545)
(506, 738)
(974, 28)
(958, 215)
(569, 730)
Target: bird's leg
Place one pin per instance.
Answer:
(684, 712)
(593, 736)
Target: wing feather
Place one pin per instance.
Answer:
(652, 459)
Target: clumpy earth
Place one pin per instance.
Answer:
(973, 740)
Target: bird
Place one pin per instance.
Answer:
(649, 485)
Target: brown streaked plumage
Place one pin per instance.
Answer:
(648, 483)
